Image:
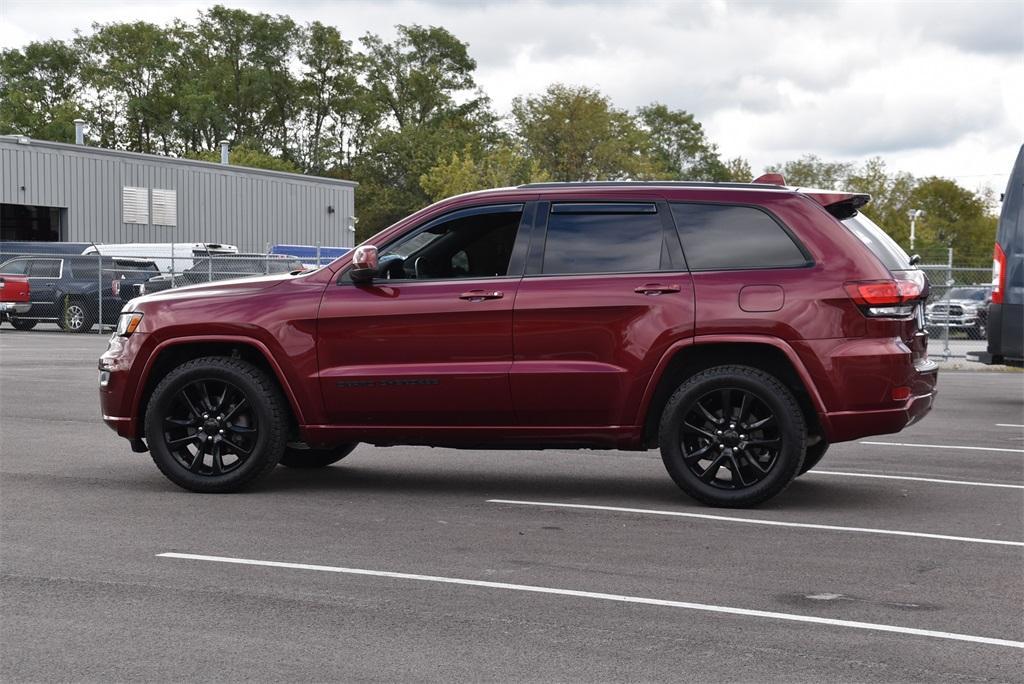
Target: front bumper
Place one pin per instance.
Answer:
(118, 380)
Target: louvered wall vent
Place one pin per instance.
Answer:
(135, 205)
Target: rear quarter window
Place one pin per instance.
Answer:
(719, 237)
(881, 245)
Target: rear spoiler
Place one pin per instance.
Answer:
(842, 205)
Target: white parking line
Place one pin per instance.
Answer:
(607, 597)
(756, 521)
(944, 446)
(916, 479)
(1009, 425)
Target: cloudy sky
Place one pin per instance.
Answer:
(933, 87)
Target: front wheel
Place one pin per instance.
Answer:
(732, 436)
(216, 424)
(315, 458)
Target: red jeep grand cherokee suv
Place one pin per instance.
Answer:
(742, 328)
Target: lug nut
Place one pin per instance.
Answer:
(221, 431)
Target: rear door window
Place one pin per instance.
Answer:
(45, 268)
(603, 238)
(719, 237)
(15, 267)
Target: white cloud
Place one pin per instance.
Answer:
(933, 87)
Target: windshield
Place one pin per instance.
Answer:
(978, 294)
(880, 244)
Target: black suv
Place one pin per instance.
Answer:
(66, 288)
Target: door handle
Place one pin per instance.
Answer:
(656, 289)
(481, 295)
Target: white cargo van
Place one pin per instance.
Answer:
(168, 256)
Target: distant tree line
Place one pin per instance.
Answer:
(405, 118)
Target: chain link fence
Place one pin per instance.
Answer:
(82, 293)
(85, 293)
(956, 312)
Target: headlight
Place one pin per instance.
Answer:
(127, 323)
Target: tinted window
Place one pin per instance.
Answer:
(880, 244)
(15, 267)
(45, 268)
(579, 241)
(719, 237)
(474, 246)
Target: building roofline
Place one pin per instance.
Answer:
(20, 140)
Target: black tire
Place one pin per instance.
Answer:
(978, 332)
(813, 456)
(758, 439)
(315, 458)
(77, 317)
(220, 408)
(22, 323)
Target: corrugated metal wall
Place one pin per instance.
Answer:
(216, 203)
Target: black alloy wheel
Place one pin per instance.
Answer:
(209, 428)
(216, 424)
(732, 436)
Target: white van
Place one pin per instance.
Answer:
(168, 256)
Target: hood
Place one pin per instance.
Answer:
(218, 288)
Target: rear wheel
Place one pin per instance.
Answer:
(315, 458)
(77, 317)
(216, 424)
(732, 436)
(22, 323)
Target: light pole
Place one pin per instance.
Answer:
(914, 214)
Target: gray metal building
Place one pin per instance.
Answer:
(76, 193)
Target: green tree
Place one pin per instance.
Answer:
(40, 90)
(953, 217)
(679, 146)
(575, 134)
(810, 171)
(890, 197)
(421, 105)
(739, 170)
(330, 98)
(126, 69)
(248, 155)
(500, 167)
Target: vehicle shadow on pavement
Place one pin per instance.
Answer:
(636, 490)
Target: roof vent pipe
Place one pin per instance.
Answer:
(79, 131)
(224, 151)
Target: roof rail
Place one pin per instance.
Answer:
(629, 184)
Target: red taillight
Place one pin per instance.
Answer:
(888, 298)
(998, 274)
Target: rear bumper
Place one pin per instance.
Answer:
(848, 425)
(14, 307)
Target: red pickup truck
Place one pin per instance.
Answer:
(15, 296)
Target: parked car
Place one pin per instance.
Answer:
(1005, 329)
(961, 308)
(15, 295)
(224, 268)
(66, 290)
(312, 256)
(741, 328)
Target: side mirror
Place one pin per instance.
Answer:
(364, 264)
(915, 260)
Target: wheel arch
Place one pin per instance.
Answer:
(766, 353)
(172, 353)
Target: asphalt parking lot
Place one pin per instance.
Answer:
(902, 559)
